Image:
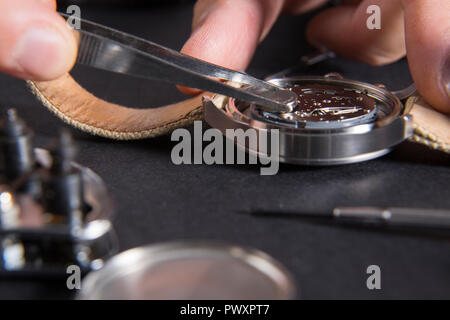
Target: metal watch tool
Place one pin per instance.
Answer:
(408, 218)
(107, 49)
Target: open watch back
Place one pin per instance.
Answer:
(336, 120)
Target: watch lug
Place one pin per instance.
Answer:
(409, 125)
(405, 93)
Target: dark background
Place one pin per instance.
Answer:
(158, 201)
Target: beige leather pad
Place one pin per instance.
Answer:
(431, 127)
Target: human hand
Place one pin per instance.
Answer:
(35, 41)
(227, 32)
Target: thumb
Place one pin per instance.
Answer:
(35, 42)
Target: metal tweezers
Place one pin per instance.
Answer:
(111, 50)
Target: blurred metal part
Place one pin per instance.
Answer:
(33, 243)
(9, 209)
(16, 149)
(190, 271)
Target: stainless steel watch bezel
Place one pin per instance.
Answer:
(318, 146)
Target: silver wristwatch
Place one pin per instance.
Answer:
(336, 120)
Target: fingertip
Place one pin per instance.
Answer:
(228, 35)
(343, 30)
(189, 91)
(435, 90)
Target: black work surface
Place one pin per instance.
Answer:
(158, 201)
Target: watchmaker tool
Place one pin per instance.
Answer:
(413, 218)
(65, 223)
(111, 50)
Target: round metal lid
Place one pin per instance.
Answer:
(190, 271)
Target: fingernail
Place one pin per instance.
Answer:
(446, 76)
(42, 52)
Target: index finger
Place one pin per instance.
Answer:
(227, 33)
(428, 45)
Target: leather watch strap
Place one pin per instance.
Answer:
(431, 127)
(81, 109)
